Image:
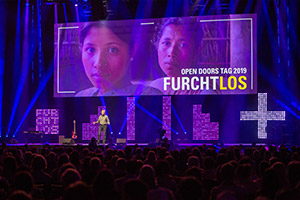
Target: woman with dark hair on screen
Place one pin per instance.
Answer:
(177, 43)
(106, 54)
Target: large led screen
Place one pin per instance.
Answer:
(205, 55)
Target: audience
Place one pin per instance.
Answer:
(150, 173)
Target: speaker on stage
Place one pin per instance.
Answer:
(68, 141)
(63, 140)
(121, 140)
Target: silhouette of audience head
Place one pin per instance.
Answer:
(162, 168)
(95, 164)
(38, 163)
(147, 175)
(93, 140)
(69, 176)
(151, 157)
(135, 190)
(62, 159)
(103, 185)
(24, 181)
(243, 172)
(193, 161)
(294, 173)
(189, 188)
(227, 172)
(77, 191)
(209, 163)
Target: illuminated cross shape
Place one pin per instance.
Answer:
(262, 115)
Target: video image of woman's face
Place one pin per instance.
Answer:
(105, 57)
(175, 50)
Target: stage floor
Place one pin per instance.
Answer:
(181, 145)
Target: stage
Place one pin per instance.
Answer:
(142, 145)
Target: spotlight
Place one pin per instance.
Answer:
(119, 133)
(86, 9)
(185, 133)
(176, 133)
(76, 4)
(111, 133)
(51, 2)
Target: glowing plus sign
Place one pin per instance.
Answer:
(262, 115)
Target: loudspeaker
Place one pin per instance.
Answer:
(61, 139)
(121, 140)
(68, 141)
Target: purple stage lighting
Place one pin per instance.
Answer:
(130, 118)
(166, 118)
(262, 115)
(47, 120)
(203, 129)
